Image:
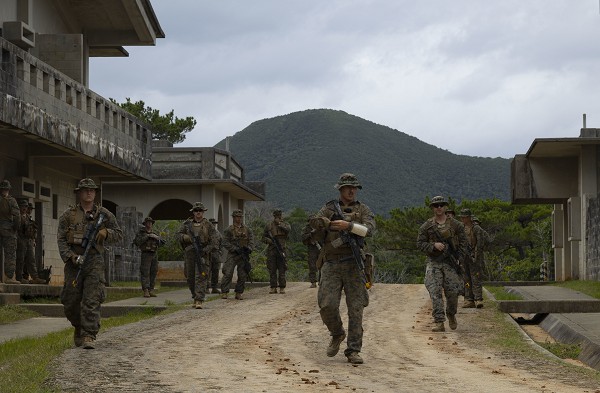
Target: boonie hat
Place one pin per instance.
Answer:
(438, 200)
(198, 206)
(86, 183)
(237, 213)
(466, 213)
(347, 179)
(5, 185)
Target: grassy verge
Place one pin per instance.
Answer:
(24, 362)
(500, 293)
(590, 288)
(12, 313)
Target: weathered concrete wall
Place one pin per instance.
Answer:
(36, 98)
(592, 235)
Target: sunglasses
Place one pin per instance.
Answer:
(438, 205)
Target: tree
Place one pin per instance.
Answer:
(164, 127)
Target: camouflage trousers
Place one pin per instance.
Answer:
(472, 278)
(82, 301)
(8, 246)
(313, 255)
(230, 264)
(277, 267)
(25, 259)
(148, 269)
(335, 278)
(197, 279)
(442, 279)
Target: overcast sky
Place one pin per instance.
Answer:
(481, 78)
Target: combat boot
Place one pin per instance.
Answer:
(151, 292)
(224, 295)
(313, 284)
(282, 290)
(198, 304)
(334, 345)
(11, 280)
(438, 327)
(452, 322)
(479, 303)
(239, 296)
(354, 358)
(468, 304)
(24, 281)
(146, 293)
(215, 290)
(77, 337)
(38, 281)
(89, 342)
(273, 290)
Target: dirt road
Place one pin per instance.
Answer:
(276, 343)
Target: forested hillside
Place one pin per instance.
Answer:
(301, 155)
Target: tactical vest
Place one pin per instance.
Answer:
(199, 229)
(240, 235)
(351, 214)
(150, 245)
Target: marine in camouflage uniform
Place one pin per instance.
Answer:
(237, 240)
(442, 238)
(276, 260)
(148, 241)
(26, 247)
(313, 246)
(10, 221)
(215, 260)
(196, 266)
(339, 269)
(83, 289)
(473, 262)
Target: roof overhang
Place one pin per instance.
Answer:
(559, 147)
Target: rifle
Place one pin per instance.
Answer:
(89, 241)
(198, 248)
(244, 252)
(277, 245)
(350, 239)
(449, 252)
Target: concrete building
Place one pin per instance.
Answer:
(54, 130)
(565, 172)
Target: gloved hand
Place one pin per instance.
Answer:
(102, 234)
(187, 238)
(320, 223)
(75, 260)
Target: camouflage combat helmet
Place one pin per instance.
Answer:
(86, 183)
(149, 219)
(237, 213)
(347, 179)
(5, 185)
(438, 200)
(23, 203)
(466, 213)
(198, 206)
(475, 220)
(277, 213)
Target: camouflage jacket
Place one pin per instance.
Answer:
(354, 212)
(236, 237)
(451, 232)
(28, 229)
(278, 231)
(204, 229)
(477, 238)
(145, 242)
(10, 215)
(72, 226)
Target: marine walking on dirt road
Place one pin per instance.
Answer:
(344, 223)
(443, 239)
(313, 246)
(197, 237)
(148, 242)
(83, 231)
(275, 236)
(238, 240)
(473, 262)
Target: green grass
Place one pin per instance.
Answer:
(500, 293)
(12, 313)
(591, 288)
(563, 351)
(24, 362)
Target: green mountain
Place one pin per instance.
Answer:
(301, 155)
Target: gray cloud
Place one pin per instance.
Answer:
(488, 76)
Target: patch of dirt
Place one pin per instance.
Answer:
(277, 343)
